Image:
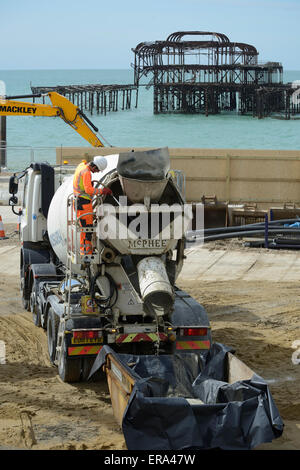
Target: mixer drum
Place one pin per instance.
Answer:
(57, 219)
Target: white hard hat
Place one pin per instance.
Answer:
(100, 162)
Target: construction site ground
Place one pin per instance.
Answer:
(253, 300)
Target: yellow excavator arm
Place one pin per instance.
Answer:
(61, 107)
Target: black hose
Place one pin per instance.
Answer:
(241, 228)
(282, 221)
(113, 290)
(249, 233)
(284, 241)
(249, 226)
(290, 247)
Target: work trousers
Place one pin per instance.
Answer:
(85, 212)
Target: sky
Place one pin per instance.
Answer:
(98, 34)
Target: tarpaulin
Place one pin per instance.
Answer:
(184, 401)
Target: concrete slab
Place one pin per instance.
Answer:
(233, 265)
(201, 260)
(275, 267)
(223, 265)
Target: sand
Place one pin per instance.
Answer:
(260, 320)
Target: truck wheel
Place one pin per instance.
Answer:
(34, 309)
(52, 330)
(25, 302)
(69, 370)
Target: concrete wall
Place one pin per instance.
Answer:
(263, 177)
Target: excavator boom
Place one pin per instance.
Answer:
(61, 107)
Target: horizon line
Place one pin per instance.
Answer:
(92, 69)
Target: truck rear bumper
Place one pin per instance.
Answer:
(84, 350)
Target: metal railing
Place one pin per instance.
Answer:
(74, 229)
(16, 158)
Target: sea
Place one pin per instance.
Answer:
(36, 138)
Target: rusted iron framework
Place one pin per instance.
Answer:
(204, 72)
(96, 98)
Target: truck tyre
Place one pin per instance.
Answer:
(25, 302)
(69, 369)
(52, 330)
(34, 308)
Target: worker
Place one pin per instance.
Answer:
(84, 190)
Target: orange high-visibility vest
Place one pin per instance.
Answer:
(82, 182)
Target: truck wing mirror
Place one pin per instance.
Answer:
(13, 201)
(13, 185)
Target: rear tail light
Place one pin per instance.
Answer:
(194, 332)
(91, 334)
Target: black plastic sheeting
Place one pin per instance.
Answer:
(159, 416)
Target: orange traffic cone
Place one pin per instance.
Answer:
(2, 233)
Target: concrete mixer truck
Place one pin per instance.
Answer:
(124, 293)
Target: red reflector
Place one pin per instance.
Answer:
(86, 334)
(77, 334)
(194, 332)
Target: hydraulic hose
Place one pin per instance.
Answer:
(113, 290)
